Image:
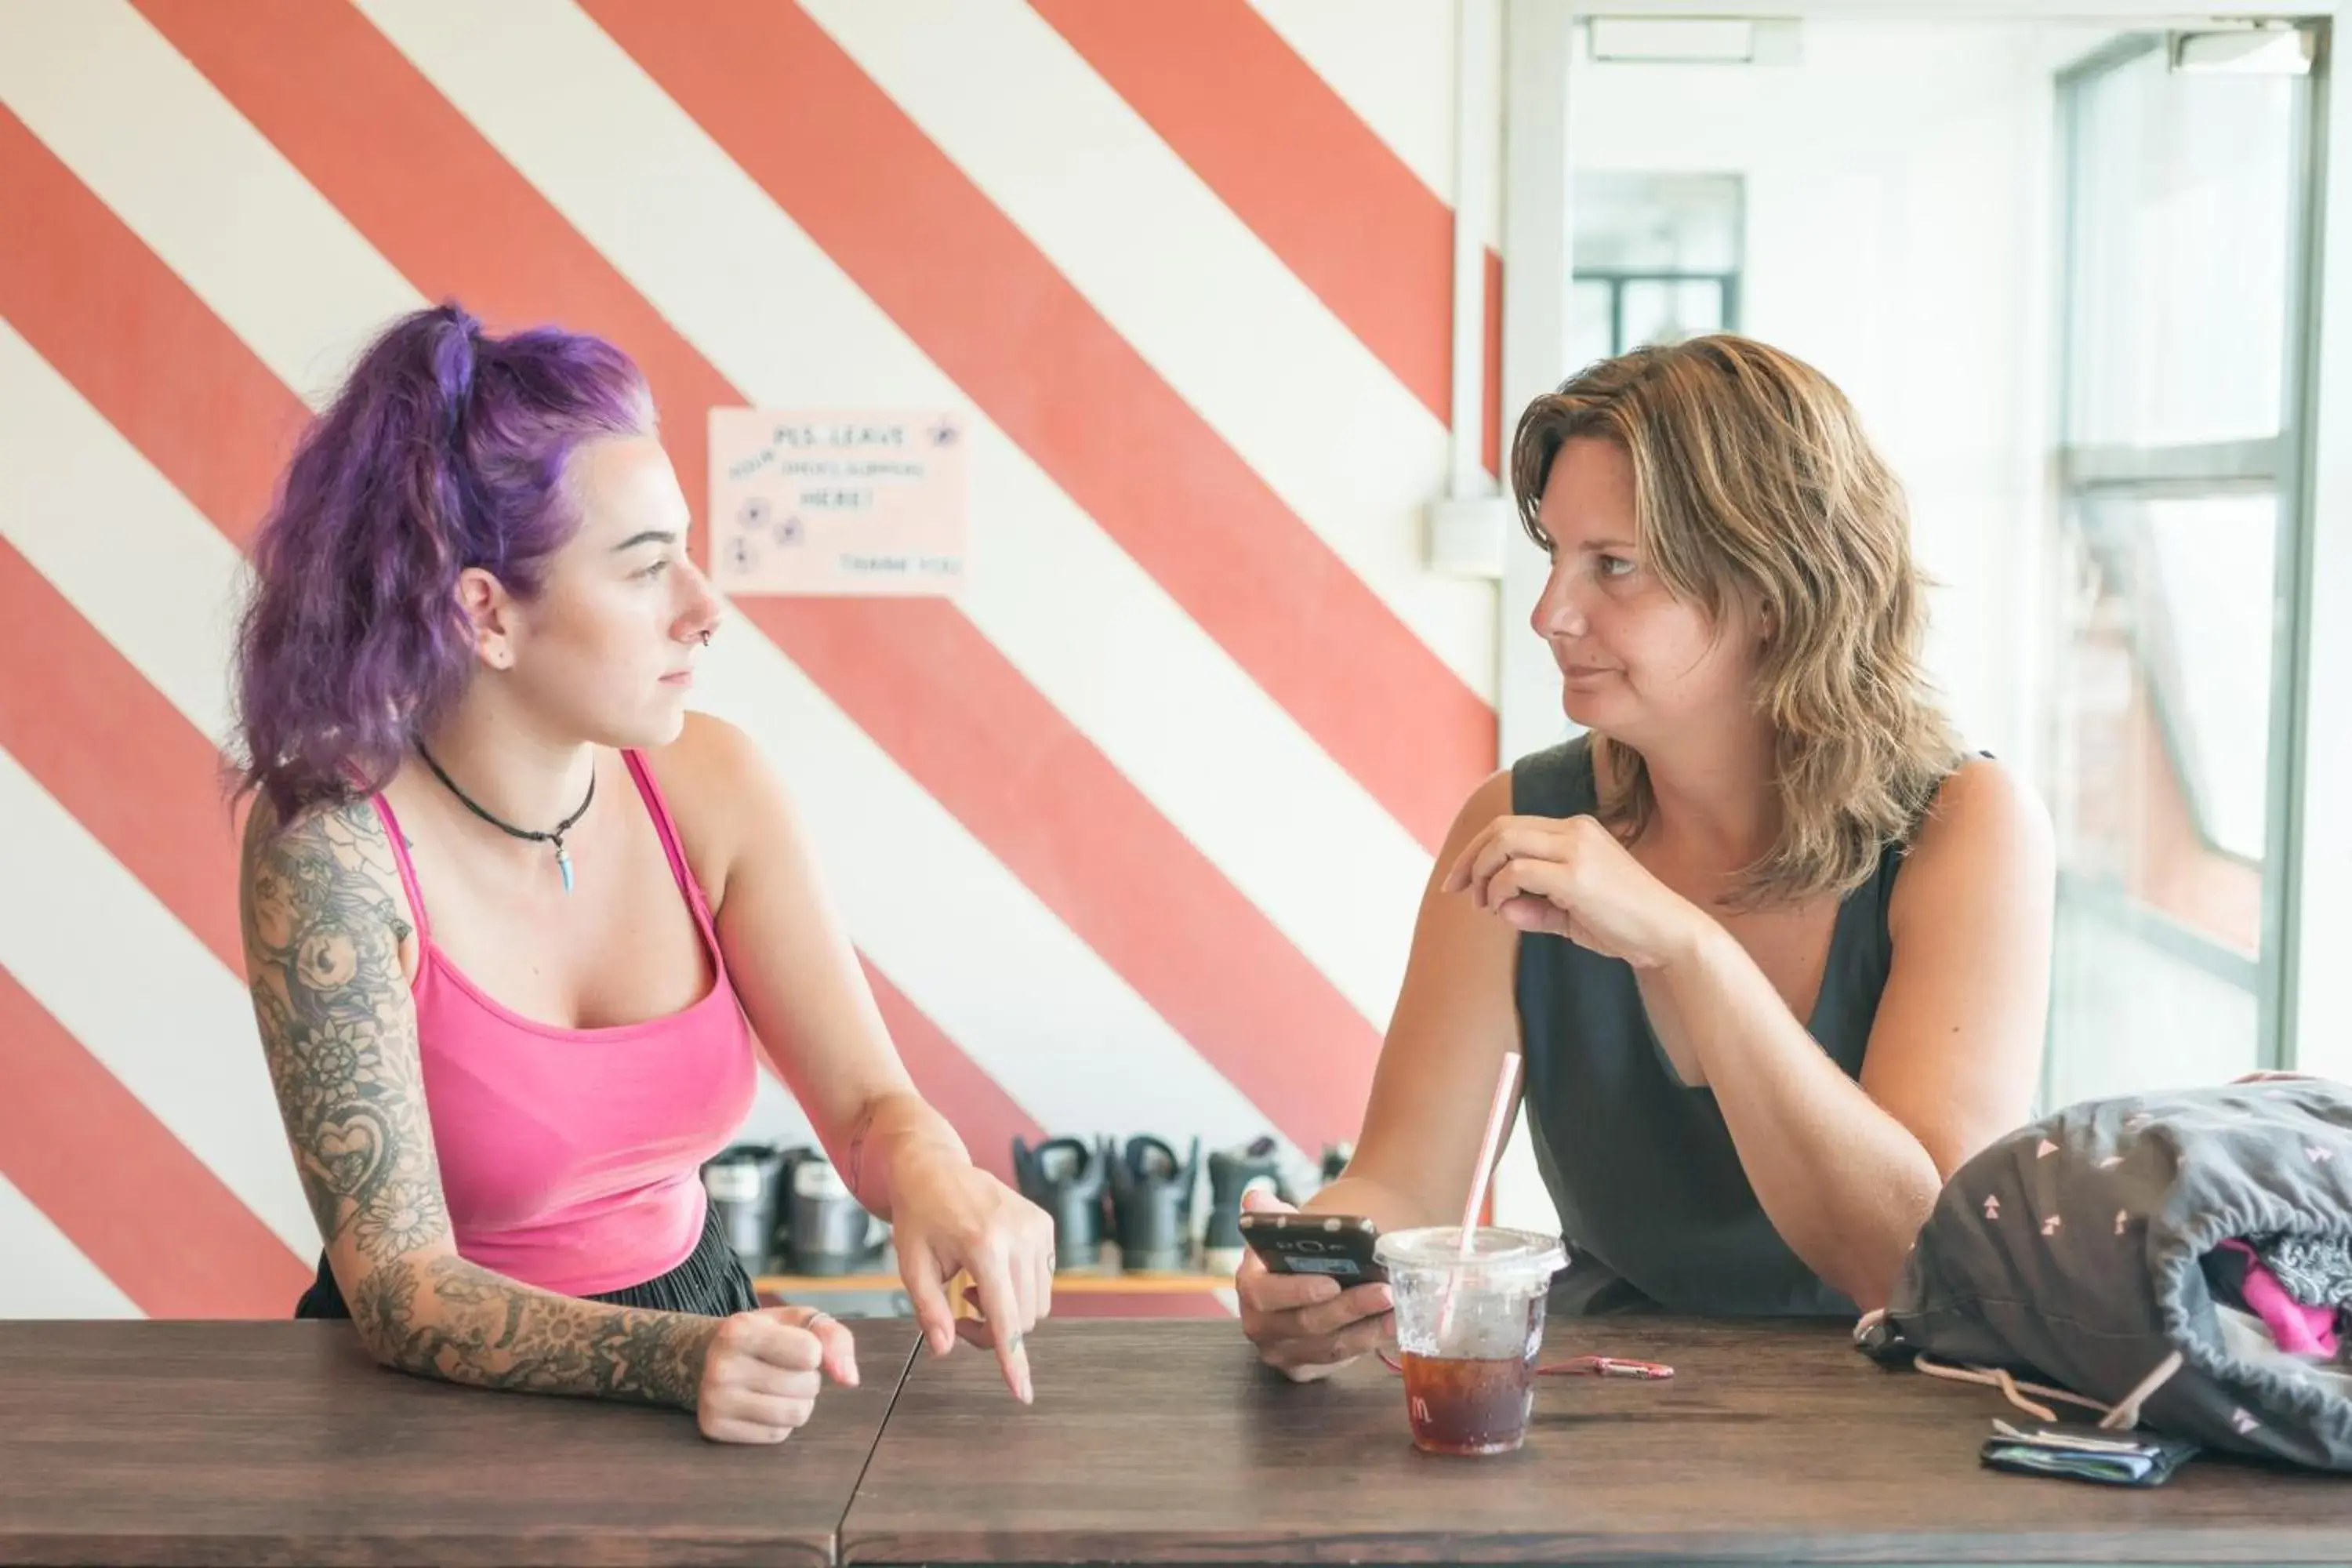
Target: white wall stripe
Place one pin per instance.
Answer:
(879, 833)
(1087, 627)
(109, 961)
(47, 1276)
(72, 492)
(144, 130)
(1216, 311)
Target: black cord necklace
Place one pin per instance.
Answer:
(554, 835)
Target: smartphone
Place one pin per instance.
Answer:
(1337, 1245)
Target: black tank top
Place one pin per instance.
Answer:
(1653, 1204)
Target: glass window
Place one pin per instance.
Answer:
(2165, 735)
(1592, 321)
(1657, 223)
(1657, 260)
(2183, 191)
(1656, 310)
(2183, 211)
(2215, 561)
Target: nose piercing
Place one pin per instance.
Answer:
(706, 637)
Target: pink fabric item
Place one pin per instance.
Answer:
(2300, 1329)
(571, 1158)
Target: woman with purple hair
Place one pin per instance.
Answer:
(513, 916)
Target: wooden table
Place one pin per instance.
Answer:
(1150, 1442)
(221, 1443)
(1164, 1442)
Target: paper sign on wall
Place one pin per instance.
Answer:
(836, 502)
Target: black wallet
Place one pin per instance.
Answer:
(2085, 1453)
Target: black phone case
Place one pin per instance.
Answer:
(1338, 1246)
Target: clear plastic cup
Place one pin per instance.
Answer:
(1469, 1326)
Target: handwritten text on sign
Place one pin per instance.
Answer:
(836, 502)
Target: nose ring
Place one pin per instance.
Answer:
(706, 637)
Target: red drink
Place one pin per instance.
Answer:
(1463, 1404)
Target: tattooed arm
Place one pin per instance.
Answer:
(323, 931)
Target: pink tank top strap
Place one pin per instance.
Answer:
(399, 842)
(667, 828)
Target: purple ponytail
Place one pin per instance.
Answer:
(445, 449)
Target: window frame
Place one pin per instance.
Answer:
(2090, 474)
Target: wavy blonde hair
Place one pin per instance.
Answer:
(1752, 479)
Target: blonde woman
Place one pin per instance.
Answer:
(1776, 948)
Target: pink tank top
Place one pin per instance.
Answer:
(571, 1158)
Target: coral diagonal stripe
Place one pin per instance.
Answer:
(849, 166)
(124, 1191)
(1293, 162)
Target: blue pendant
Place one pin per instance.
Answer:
(563, 864)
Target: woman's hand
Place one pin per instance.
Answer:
(1304, 1325)
(762, 1370)
(947, 1215)
(1571, 876)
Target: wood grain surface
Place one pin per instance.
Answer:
(201, 1443)
(1165, 1442)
